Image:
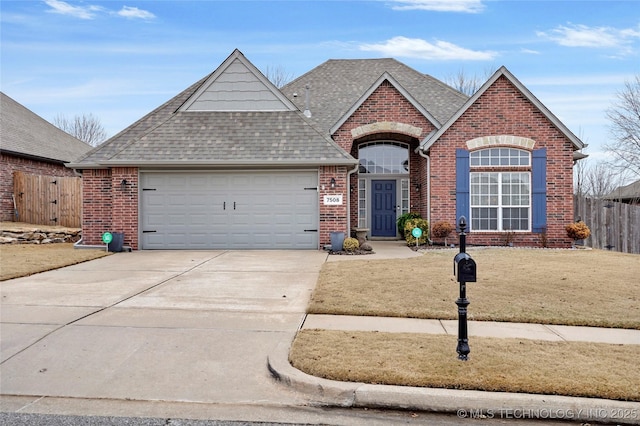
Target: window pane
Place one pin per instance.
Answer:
(506, 157)
(515, 219)
(384, 158)
(484, 219)
(362, 203)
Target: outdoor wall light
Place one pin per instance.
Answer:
(123, 184)
(418, 187)
(332, 184)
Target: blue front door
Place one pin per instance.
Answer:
(383, 208)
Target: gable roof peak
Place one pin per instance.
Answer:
(386, 76)
(503, 72)
(237, 85)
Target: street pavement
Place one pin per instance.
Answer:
(191, 334)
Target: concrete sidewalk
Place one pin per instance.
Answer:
(555, 333)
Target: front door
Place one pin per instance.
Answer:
(383, 209)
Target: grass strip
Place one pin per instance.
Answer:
(500, 365)
(20, 260)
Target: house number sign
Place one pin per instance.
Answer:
(333, 200)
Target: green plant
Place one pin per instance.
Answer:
(416, 223)
(351, 245)
(578, 231)
(402, 220)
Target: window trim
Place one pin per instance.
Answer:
(500, 170)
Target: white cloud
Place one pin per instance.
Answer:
(596, 37)
(530, 52)
(91, 11)
(135, 13)
(464, 6)
(64, 8)
(421, 49)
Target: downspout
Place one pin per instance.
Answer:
(422, 154)
(349, 173)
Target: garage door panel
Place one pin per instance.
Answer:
(196, 210)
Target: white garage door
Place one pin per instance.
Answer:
(269, 210)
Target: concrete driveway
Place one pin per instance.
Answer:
(184, 326)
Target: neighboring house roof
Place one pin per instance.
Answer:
(433, 137)
(336, 87)
(628, 192)
(234, 116)
(24, 133)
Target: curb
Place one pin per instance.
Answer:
(464, 403)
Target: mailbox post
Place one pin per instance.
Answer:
(464, 267)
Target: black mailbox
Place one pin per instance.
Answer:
(464, 267)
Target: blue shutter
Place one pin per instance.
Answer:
(462, 186)
(539, 190)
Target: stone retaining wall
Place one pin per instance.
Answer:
(38, 235)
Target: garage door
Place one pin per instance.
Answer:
(270, 210)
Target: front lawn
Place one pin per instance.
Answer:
(572, 287)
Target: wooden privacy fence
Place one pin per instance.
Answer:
(614, 225)
(48, 200)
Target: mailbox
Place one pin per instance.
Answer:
(464, 268)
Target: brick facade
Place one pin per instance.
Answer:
(503, 110)
(387, 105)
(110, 206)
(332, 218)
(12, 163)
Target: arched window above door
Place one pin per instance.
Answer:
(384, 157)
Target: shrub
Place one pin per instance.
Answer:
(402, 220)
(544, 238)
(442, 229)
(416, 223)
(350, 245)
(578, 231)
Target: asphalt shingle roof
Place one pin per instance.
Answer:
(336, 85)
(168, 135)
(250, 137)
(25, 133)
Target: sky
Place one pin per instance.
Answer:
(120, 59)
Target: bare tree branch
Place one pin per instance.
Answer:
(465, 83)
(278, 75)
(625, 128)
(85, 127)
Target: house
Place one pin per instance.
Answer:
(629, 194)
(30, 144)
(234, 162)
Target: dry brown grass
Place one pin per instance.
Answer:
(19, 260)
(572, 287)
(502, 365)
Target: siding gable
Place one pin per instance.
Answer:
(237, 85)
